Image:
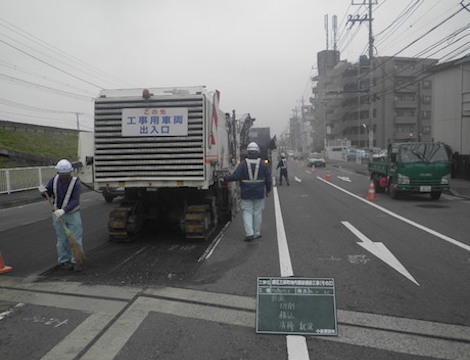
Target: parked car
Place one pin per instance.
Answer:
(316, 160)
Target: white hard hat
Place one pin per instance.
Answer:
(253, 147)
(64, 166)
(283, 155)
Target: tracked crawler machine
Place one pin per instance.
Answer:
(164, 149)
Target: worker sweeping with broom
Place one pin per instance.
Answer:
(63, 194)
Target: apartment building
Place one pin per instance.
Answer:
(398, 110)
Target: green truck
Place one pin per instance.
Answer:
(412, 167)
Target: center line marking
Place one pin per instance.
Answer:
(296, 345)
(399, 217)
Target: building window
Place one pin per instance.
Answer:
(404, 112)
(405, 97)
(425, 114)
(427, 84)
(404, 65)
(426, 99)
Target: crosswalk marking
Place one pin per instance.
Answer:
(390, 333)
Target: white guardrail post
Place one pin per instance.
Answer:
(7, 176)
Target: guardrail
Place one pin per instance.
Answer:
(27, 178)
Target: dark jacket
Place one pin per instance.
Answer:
(282, 164)
(251, 190)
(62, 187)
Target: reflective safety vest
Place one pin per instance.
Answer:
(283, 164)
(68, 193)
(253, 176)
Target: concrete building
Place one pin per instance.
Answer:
(451, 110)
(401, 101)
(451, 104)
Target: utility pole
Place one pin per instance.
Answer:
(369, 19)
(77, 115)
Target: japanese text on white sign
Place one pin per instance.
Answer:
(155, 122)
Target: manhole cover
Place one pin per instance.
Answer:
(432, 206)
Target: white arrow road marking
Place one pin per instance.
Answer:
(297, 179)
(344, 178)
(399, 217)
(381, 251)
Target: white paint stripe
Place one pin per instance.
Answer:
(210, 249)
(399, 217)
(297, 179)
(380, 250)
(344, 178)
(109, 345)
(308, 172)
(296, 345)
(284, 257)
(79, 338)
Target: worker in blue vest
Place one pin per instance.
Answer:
(64, 190)
(255, 184)
(282, 165)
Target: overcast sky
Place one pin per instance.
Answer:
(260, 54)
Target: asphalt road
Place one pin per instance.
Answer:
(165, 298)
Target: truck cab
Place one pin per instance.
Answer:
(413, 168)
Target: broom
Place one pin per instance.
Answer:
(77, 251)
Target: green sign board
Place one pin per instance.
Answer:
(296, 306)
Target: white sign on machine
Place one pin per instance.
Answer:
(155, 122)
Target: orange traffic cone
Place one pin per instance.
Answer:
(371, 194)
(328, 176)
(3, 268)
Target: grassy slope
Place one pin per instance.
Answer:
(46, 145)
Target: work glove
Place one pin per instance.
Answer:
(58, 213)
(42, 189)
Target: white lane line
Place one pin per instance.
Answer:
(381, 251)
(296, 345)
(297, 179)
(210, 249)
(308, 172)
(399, 217)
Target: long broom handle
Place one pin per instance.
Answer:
(79, 253)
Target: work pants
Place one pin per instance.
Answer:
(74, 222)
(252, 211)
(283, 173)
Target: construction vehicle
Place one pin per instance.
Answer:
(164, 150)
(412, 167)
(261, 136)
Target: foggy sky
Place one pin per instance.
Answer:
(258, 53)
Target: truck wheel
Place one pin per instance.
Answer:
(378, 188)
(435, 195)
(108, 197)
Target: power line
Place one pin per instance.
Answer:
(345, 31)
(425, 72)
(21, 70)
(50, 65)
(401, 21)
(419, 38)
(403, 34)
(92, 69)
(48, 88)
(36, 108)
(36, 117)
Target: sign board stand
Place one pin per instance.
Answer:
(296, 306)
